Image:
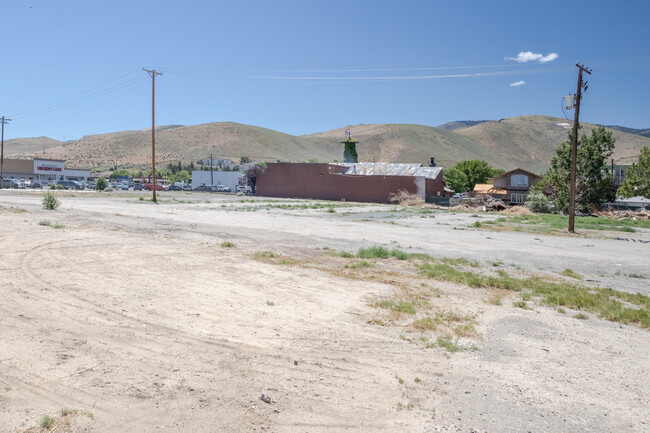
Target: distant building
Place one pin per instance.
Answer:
(363, 181)
(42, 170)
(226, 178)
(516, 183)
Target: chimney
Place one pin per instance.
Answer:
(433, 162)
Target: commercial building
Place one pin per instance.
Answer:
(42, 170)
(361, 181)
(225, 178)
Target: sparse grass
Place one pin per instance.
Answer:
(373, 253)
(561, 310)
(46, 223)
(450, 345)
(607, 304)
(581, 316)
(570, 273)
(399, 380)
(398, 306)
(47, 422)
(633, 275)
(270, 303)
(551, 223)
(477, 224)
(417, 380)
(359, 265)
(521, 304)
(227, 244)
(271, 257)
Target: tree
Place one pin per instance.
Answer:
(594, 184)
(252, 173)
(180, 176)
(101, 183)
(244, 160)
(463, 176)
(637, 177)
(350, 151)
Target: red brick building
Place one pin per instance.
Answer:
(363, 182)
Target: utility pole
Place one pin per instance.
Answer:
(2, 152)
(152, 73)
(574, 149)
(211, 173)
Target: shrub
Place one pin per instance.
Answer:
(539, 203)
(50, 202)
(56, 186)
(101, 183)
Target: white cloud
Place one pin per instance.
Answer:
(517, 84)
(529, 56)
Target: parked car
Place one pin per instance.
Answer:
(175, 188)
(187, 188)
(203, 187)
(223, 188)
(68, 184)
(10, 183)
(137, 187)
(124, 187)
(36, 185)
(244, 188)
(149, 187)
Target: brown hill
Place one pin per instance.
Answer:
(524, 141)
(530, 141)
(21, 147)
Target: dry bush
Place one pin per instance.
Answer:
(517, 210)
(405, 198)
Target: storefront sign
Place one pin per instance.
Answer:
(45, 167)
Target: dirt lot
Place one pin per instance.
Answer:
(178, 316)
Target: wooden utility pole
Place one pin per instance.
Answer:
(2, 152)
(211, 173)
(153, 74)
(574, 149)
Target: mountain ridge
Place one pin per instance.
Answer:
(526, 141)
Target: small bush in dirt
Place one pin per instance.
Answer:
(55, 187)
(239, 194)
(101, 183)
(109, 189)
(50, 202)
(47, 422)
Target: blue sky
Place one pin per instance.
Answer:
(73, 68)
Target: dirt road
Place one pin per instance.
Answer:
(137, 317)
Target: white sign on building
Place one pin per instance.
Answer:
(48, 167)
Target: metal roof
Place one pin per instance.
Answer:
(390, 169)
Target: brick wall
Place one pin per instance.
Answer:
(324, 182)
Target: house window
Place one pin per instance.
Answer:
(519, 180)
(517, 198)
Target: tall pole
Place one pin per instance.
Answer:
(153, 74)
(574, 150)
(2, 152)
(211, 173)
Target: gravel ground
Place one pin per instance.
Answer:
(134, 317)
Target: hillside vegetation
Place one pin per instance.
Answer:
(528, 142)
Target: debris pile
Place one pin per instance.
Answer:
(624, 214)
(405, 198)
